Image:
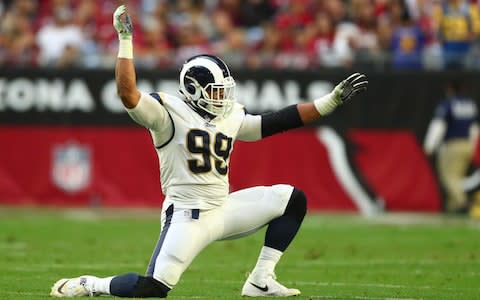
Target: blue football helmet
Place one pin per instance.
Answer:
(206, 82)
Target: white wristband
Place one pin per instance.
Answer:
(325, 104)
(125, 49)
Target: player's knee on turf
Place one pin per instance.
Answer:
(132, 285)
(149, 287)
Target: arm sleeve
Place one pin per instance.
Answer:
(435, 133)
(150, 113)
(279, 121)
(255, 127)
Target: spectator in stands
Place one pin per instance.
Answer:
(333, 33)
(454, 127)
(336, 11)
(232, 48)
(473, 59)
(106, 39)
(191, 41)
(474, 11)
(17, 39)
(85, 18)
(422, 11)
(407, 41)
(156, 49)
(228, 40)
(357, 41)
(264, 53)
(59, 41)
(322, 44)
(455, 31)
(365, 43)
(192, 13)
(294, 21)
(255, 12)
(297, 52)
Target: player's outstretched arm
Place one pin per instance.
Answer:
(344, 91)
(124, 69)
(256, 127)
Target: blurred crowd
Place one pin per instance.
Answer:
(298, 34)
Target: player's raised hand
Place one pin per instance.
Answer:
(344, 91)
(122, 23)
(348, 88)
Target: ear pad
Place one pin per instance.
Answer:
(190, 88)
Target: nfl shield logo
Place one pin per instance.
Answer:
(71, 170)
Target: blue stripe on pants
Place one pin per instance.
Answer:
(163, 234)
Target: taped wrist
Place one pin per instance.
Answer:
(325, 104)
(125, 48)
(280, 121)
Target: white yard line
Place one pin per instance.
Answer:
(42, 267)
(363, 263)
(299, 265)
(382, 286)
(24, 293)
(361, 298)
(46, 294)
(355, 284)
(13, 245)
(382, 262)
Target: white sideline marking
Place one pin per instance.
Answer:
(361, 297)
(46, 294)
(362, 263)
(380, 285)
(37, 267)
(386, 262)
(13, 245)
(370, 285)
(190, 297)
(24, 293)
(299, 265)
(393, 271)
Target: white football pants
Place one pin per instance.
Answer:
(184, 233)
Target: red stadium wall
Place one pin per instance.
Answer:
(117, 166)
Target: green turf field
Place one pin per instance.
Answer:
(333, 257)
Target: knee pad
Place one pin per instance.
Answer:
(297, 204)
(149, 287)
(133, 285)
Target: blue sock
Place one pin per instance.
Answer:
(282, 230)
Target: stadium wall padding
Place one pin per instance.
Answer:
(66, 140)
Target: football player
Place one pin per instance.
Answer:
(194, 137)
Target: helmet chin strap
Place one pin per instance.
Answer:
(199, 110)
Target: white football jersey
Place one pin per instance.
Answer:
(193, 152)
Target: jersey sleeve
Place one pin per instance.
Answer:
(152, 114)
(251, 128)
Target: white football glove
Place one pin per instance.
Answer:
(123, 27)
(342, 92)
